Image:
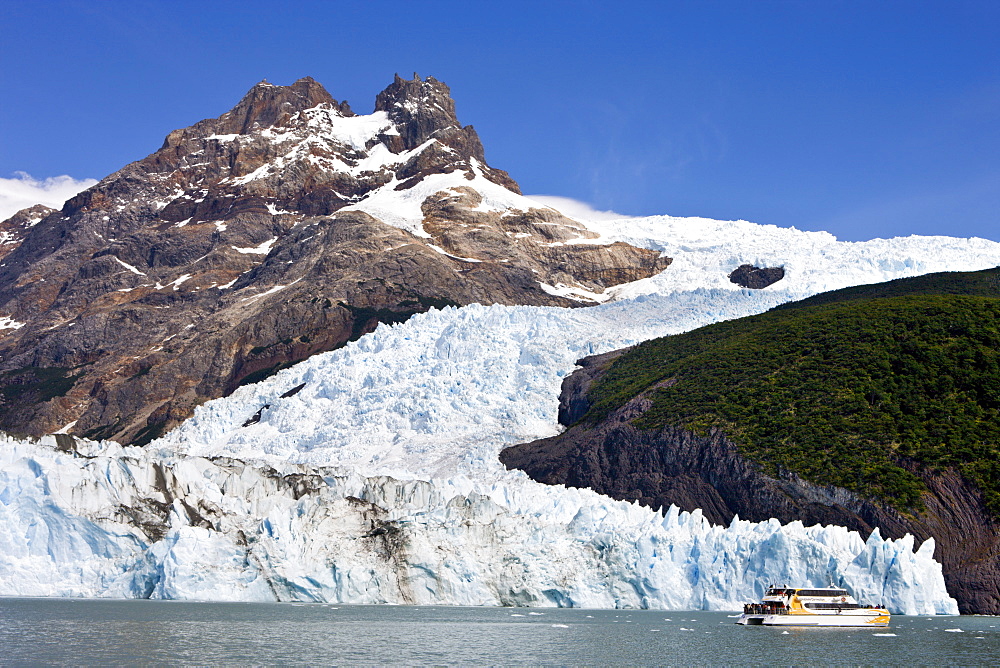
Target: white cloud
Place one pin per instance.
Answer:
(573, 208)
(24, 190)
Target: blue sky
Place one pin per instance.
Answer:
(865, 119)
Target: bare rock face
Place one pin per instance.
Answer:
(756, 278)
(673, 466)
(425, 111)
(14, 229)
(541, 241)
(286, 227)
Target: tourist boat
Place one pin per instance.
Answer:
(827, 606)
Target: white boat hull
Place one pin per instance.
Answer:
(873, 619)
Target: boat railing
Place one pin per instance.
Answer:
(771, 608)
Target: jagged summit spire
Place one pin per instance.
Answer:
(266, 104)
(422, 109)
(425, 109)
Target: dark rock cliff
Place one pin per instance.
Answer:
(673, 466)
(14, 229)
(756, 278)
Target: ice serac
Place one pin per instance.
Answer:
(104, 520)
(285, 227)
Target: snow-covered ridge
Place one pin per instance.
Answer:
(705, 251)
(222, 530)
(325, 137)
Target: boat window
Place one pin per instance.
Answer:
(823, 592)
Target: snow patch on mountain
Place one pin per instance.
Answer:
(357, 132)
(402, 208)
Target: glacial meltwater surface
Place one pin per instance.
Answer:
(116, 632)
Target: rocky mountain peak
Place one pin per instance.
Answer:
(286, 227)
(266, 105)
(423, 109)
(426, 105)
(14, 229)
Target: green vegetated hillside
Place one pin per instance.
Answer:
(840, 388)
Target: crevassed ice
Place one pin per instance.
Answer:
(242, 533)
(706, 251)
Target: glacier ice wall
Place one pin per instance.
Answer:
(108, 521)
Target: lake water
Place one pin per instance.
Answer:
(77, 631)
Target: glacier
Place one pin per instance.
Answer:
(80, 524)
(370, 474)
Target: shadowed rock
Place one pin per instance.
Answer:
(756, 278)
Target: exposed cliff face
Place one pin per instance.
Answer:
(285, 227)
(756, 278)
(14, 229)
(423, 110)
(660, 467)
